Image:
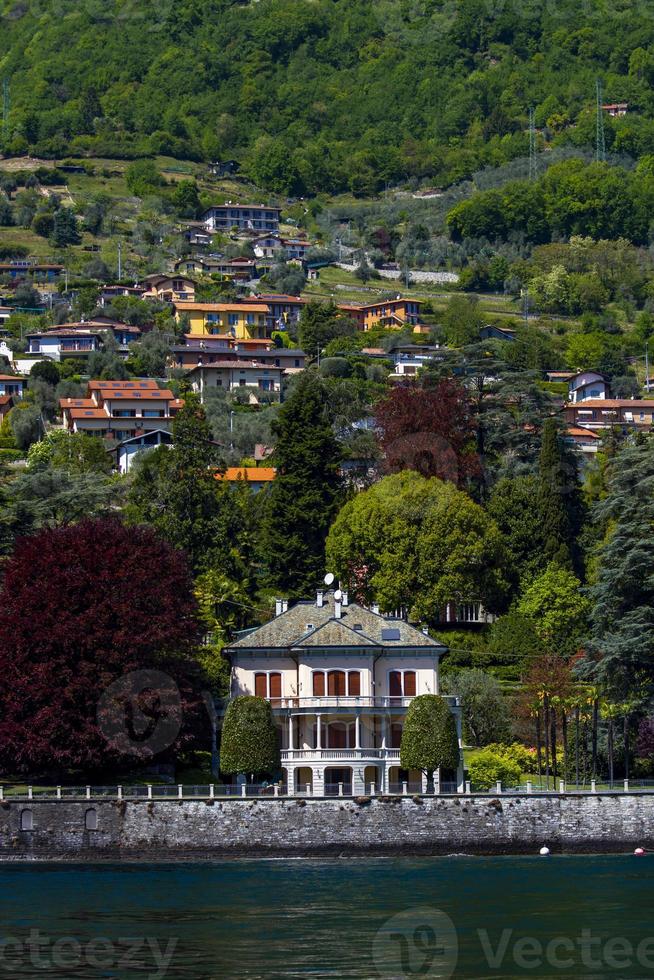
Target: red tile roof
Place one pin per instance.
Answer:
(253, 474)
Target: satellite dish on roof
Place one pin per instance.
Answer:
(329, 578)
(338, 595)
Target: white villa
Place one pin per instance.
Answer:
(340, 678)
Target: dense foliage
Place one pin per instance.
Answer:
(429, 737)
(250, 741)
(325, 95)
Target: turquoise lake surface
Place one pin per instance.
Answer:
(501, 917)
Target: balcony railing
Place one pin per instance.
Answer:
(345, 702)
(315, 755)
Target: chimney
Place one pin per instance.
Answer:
(337, 609)
(284, 605)
(375, 608)
(425, 630)
(278, 607)
(345, 599)
(320, 598)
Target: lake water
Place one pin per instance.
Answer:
(497, 917)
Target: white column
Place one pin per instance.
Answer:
(318, 732)
(357, 732)
(290, 732)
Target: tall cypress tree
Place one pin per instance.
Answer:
(621, 650)
(306, 493)
(559, 503)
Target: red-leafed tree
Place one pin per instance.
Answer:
(428, 429)
(98, 628)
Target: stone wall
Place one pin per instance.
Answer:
(161, 830)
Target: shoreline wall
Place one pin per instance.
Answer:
(169, 830)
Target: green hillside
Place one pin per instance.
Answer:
(324, 95)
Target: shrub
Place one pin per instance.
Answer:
(486, 768)
(11, 455)
(522, 756)
(249, 743)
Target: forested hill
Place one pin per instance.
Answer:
(325, 95)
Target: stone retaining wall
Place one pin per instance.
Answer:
(171, 830)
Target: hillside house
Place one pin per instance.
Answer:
(242, 321)
(62, 342)
(398, 313)
(586, 385)
(120, 409)
(243, 217)
(232, 374)
(340, 679)
(169, 288)
(12, 386)
(256, 477)
(604, 413)
(127, 450)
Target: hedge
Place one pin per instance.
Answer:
(429, 737)
(250, 742)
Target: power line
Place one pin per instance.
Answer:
(600, 142)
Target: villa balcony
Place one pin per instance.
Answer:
(337, 702)
(340, 755)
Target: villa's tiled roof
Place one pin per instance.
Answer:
(305, 619)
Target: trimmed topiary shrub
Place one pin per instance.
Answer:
(250, 742)
(429, 738)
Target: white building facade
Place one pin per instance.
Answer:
(340, 679)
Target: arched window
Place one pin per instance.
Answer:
(318, 684)
(26, 820)
(91, 820)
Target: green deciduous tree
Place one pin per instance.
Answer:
(418, 543)
(554, 602)
(484, 709)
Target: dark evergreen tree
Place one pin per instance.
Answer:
(514, 507)
(65, 230)
(621, 647)
(559, 501)
(250, 740)
(307, 492)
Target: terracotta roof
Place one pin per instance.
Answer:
(223, 307)
(88, 413)
(77, 403)
(11, 377)
(575, 430)
(162, 394)
(139, 385)
(253, 474)
(5, 400)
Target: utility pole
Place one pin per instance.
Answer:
(600, 142)
(533, 170)
(647, 365)
(120, 261)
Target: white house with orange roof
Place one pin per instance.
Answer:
(121, 409)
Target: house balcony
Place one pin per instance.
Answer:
(340, 703)
(308, 756)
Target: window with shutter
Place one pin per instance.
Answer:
(336, 683)
(354, 683)
(261, 685)
(318, 684)
(275, 685)
(409, 683)
(395, 684)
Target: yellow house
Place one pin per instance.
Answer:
(236, 319)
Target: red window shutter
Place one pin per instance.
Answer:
(336, 683)
(395, 684)
(275, 685)
(318, 685)
(261, 685)
(354, 684)
(410, 683)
